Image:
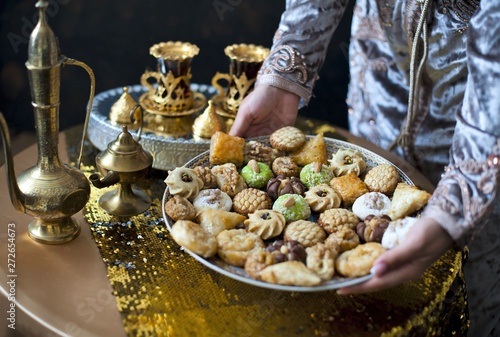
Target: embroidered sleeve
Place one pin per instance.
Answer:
(300, 45)
(469, 190)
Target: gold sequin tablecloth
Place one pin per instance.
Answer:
(162, 291)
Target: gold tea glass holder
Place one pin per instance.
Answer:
(245, 61)
(170, 103)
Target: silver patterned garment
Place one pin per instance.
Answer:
(425, 75)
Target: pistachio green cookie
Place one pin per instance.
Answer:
(256, 174)
(293, 207)
(314, 174)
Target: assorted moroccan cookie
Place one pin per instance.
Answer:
(285, 213)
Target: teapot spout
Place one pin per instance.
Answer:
(110, 179)
(16, 196)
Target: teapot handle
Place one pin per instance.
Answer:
(141, 119)
(89, 71)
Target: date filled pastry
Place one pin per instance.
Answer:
(251, 200)
(235, 245)
(372, 203)
(333, 219)
(292, 273)
(321, 261)
(322, 197)
(212, 198)
(191, 236)
(216, 220)
(306, 232)
(406, 200)
(349, 187)
(373, 228)
(260, 152)
(346, 161)
(266, 223)
(382, 178)
(342, 240)
(179, 208)
(358, 261)
(184, 182)
(228, 179)
(225, 148)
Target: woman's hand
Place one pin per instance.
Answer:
(424, 244)
(265, 110)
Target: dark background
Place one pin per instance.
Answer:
(114, 37)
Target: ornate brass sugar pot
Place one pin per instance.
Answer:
(50, 191)
(124, 162)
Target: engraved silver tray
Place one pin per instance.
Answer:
(167, 152)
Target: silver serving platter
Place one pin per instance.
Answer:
(238, 273)
(168, 152)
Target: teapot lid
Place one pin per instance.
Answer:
(124, 143)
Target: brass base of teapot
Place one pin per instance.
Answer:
(125, 201)
(54, 232)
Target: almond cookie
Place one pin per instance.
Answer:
(256, 174)
(316, 174)
(179, 208)
(191, 236)
(291, 273)
(358, 261)
(308, 233)
(266, 223)
(382, 178)
(260, 152)
(288, 138)
(321, 260)
(285, 166)
(349, 187)
(235, 245)
(212, 198)
(346, 161)
(215, 220)
(333, 219)
(228, 179)
(322, 197)
(251, 200)
(372, 228)
(372, 203)
(406, 200)
(205, 174)
(293, 206)
(257, 261)
(342, 240)
(183, 181)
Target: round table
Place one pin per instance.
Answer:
(65, 290)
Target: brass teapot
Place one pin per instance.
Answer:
(124, 162)
(50, 191)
